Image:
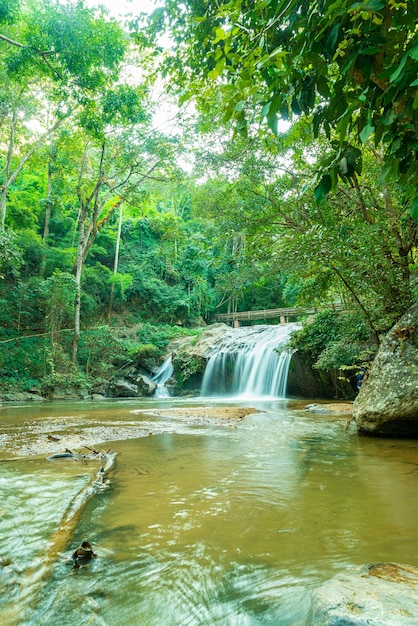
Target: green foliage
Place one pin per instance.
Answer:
(145, 355)
(333, 340)
(122, 282)
(121, 105)
(318, 214)
(10, 256)
(22, 363)
(82, 50)
(95, 284)
(160, 335)
(32, 252)
(61, 374)
(8, 10)
(99, 350)
(186, 366)
(350, 67)
(59, 292)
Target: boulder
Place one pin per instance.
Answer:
(374, 595)
(122, 388)
(202, 345)
(387, 404)
(145, 386)
(303, 381)
(317, 408)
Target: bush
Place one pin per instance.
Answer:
(333, 340)
(186, 366)
(145, 355)
(22, 362)
(98, 352)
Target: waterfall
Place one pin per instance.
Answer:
(162, 376)
(249, 361)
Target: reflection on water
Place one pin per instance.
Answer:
(217, 525)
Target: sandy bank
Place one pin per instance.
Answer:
(199, 413)
(51, 436)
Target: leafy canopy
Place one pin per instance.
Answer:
(351, 67)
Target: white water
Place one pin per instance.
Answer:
(162, 376)
(250, 361)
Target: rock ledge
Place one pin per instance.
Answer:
(383, 594)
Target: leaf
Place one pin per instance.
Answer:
(323, 188)
(331, 41)
(414, 53)
(366, 132)
(397, 73)
(272, 122)
(414, 208)
(388, 118)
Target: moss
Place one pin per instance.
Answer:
(186, 366)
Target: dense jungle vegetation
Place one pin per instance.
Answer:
(288, 177)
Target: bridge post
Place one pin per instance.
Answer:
(237, 324)
(283, 319)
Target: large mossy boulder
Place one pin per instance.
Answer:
(387, 404)
(384, 594)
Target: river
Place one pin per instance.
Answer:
(204, 523)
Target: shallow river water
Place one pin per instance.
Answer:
(203, 524)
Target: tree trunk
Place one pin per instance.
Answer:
(77, 303)
(48, 208)
(7, 169)
(116, 263)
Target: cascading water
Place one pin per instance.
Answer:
(162, 376)
(250, 361)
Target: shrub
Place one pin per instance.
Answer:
(333, 340)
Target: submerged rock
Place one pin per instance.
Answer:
(316, 408)
(387, 404)
(375, 595)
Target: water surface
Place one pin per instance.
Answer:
(205, 524)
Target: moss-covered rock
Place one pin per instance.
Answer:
(387, 404)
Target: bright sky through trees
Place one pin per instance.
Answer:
(120, 8)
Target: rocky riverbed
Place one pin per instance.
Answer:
(55, 435)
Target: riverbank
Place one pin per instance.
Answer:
(52, 435)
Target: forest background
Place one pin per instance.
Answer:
(288, 178)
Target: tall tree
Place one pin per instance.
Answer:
(121, 152)
(69, 52)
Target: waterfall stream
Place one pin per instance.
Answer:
(162, 376)
(250, 361)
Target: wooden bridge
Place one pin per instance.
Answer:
(284, 315)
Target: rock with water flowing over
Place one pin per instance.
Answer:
(387, 404)
(375, 595)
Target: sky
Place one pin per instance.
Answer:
(120, 8)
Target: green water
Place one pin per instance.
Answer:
(204, 524)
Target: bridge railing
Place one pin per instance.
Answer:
(283, 314)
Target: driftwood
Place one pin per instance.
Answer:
(34, 579)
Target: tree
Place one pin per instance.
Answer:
(350, 67)
(69, 53)
(120, 154)
(69, 43)
(358, 243)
